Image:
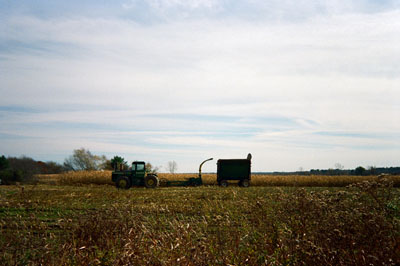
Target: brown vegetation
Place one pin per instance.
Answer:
(100, 225)
(104, 177)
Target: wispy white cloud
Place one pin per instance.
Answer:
(165, 4)
(206, 85)
(254, 10)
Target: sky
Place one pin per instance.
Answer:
(298, 84)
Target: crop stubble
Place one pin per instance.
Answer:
(98, 224)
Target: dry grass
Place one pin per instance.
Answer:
(314, 180)
(78, 178)
(101, 225)
(104, 177)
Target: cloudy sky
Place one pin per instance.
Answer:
(296, 83)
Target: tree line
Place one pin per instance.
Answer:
(24, 169)
(358, 171)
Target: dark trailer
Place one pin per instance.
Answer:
(234, 169)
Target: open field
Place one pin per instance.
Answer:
(104, 177)
(100, 225)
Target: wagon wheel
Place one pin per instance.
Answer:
(244, 183)
(123, 182)
(223, 183)
(151, 181)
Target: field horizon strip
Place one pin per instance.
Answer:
(104, 177)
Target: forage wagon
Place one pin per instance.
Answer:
(234, 169)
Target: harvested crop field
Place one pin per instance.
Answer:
(104, 177)
(101, 225)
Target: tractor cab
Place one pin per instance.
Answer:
(138, 169)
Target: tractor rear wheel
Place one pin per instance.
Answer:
(223, 183)
(151, 181)
(123, 182)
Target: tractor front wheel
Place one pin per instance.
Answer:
(151, 181)
(123, 182)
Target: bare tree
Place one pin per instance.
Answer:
(149, 168)
(172, 167)
(84, 160)
(339, 166)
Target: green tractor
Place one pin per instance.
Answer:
(134, 177)
(137, 177)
